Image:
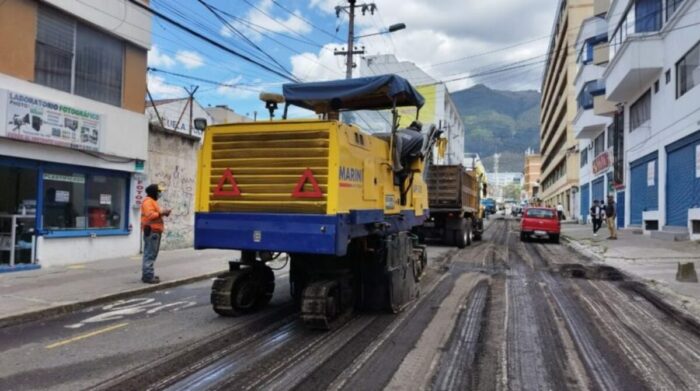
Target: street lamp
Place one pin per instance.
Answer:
(391, 29)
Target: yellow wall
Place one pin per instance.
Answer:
(427, 112)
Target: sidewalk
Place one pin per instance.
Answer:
(44, 292)
(650, 260)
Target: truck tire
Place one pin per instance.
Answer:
(463, 236)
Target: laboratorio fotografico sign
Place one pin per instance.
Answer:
(40, 121)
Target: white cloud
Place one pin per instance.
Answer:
(323, 65)
(241, 92)
(158, 59)
(160, 89)
(189, 59)
(287, 24)
(440, 31)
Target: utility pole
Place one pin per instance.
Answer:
(191, 92)
(351, 49)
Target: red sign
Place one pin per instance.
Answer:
(227, 178)
(307, 176)
(602, 162)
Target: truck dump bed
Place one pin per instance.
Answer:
(451, 187)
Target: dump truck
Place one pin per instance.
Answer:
(338, 202)
(454, 199)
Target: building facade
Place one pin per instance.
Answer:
(653, 73)
(595, 125)
(438, 110)
(559, 179)
(531, 175)
(74, 137)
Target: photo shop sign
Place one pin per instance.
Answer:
(45, 122)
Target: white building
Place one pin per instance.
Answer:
(595, 117)
(439, 109)
(73, 134)
(654, 72)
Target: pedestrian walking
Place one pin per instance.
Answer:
(152, 226)
(560, 211)
(610, 215)
(596, 217)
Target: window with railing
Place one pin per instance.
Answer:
(688, 71)
(671, 7)
(588, 92)
(642, 16)
(640, 111)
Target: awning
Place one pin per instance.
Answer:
(364, 93)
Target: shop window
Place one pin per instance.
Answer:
(64, 200)
(105, 202)
(688, 71)
(77, 200)
(77, 58)
(17, 197)
(640, 111)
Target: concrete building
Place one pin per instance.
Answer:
(222, 114)
(654, 72)
(439, 109)
(594, 124)
(73, 134)
(531, 175)
(497, 183)
(560, 164)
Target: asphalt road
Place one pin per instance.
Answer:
(498, 315)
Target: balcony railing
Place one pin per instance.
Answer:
(642, 16)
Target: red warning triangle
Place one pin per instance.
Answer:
(227, 178)
(307, 176)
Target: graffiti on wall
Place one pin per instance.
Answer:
(172, 164)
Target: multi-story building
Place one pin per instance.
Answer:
(654, 72)
(560, 166)
(73, 134)
(595, 121)
(438, 110)
(531, 175)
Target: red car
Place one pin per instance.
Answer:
(541, 223)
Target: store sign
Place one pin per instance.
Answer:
(76, 178)
(138, 190)
(651, 173)
(602, 162)
(40, 121)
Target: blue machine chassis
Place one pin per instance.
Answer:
(296, 233)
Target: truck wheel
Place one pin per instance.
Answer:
(463, 237)
(555, 239)
(523, 237)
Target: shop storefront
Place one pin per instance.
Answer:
(69, 168)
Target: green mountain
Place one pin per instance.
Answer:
(506, 122)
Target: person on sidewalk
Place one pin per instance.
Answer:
(610, 217)
(152, 226)
(596, 217)
(560, 211)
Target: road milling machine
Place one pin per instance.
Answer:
(340, 202)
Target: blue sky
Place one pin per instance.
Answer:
(450, 39)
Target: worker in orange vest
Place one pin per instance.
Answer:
(152, 227)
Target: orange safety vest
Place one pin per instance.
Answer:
(150, 215)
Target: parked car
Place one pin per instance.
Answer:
(541, 223)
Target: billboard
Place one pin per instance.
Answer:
(41, 121)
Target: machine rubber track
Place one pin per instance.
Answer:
(242, 290)
(322, 307)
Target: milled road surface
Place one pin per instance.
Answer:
(499, 315)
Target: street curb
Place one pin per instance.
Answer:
(54, 311)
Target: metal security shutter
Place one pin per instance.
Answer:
(599, 189)
(682, 186)
(620, 209)
(585, 201)
(643, 197)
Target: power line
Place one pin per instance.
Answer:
(211, 41)
(334, 36)
(274, 20)
(246, 87)
(232, 28)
